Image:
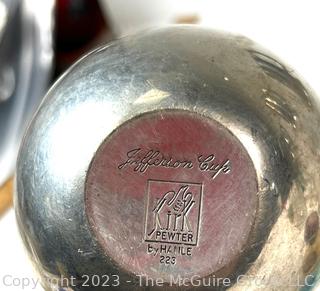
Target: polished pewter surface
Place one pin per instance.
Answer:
(259, 107)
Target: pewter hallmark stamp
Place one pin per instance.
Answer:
(173, 212)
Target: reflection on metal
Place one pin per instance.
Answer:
(26, 59)
(7, 11)
(83, 206)
(277, 104)
(281, 74)
(3, 17)
(7, 82)
(151, 96)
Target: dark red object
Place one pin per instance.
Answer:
(176, 174)
(78, 24)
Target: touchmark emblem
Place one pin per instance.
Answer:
(173, 212)
(172, 219)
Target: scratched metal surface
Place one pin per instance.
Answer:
(246, 90)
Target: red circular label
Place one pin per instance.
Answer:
(171, 193)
